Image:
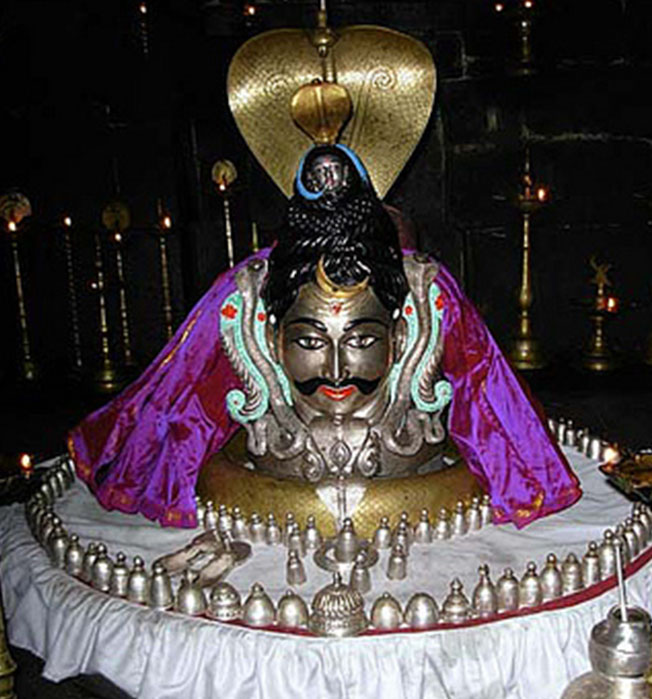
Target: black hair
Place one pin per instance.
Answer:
(349, 228)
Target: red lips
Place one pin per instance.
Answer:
(337, 393)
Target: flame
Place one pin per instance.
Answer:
(528, 4)
(12, 226)
(142, 8)
(117, 237)
(542, 194)
(499, 7)
(250, 10)
(25, 463)
(67, 222)
(167, 222)
(611, 455)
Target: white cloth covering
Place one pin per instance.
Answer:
(158, 654)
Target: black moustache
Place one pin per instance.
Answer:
(365, 386)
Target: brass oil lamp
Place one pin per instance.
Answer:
(525, 352)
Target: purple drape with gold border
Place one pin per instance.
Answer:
(142, 452)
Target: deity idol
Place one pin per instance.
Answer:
(338, 356)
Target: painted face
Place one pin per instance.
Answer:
(336, 352)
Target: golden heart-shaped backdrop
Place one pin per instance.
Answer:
(391, 79)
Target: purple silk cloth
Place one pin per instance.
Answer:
(142, 452)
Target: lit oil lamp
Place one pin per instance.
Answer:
(26, 467)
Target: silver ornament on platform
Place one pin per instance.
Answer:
(383, 535)
(591, 565)
(292, 611)
(507, 591)
(397, 564)
(386, 613)
(160, 588)
(421, 611)
(256, 529)
(190, 597)
(530, 593)
(258, 609)
(138, 582)
(551, 582)
(456, 608)
(224, 602)
(120, 576)
(484, 599)
(423, 529)
(312, 538)
(338, 610)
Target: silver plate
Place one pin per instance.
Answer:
(324, 556)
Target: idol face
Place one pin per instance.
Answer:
(337, 353)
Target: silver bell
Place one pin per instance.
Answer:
(102, 570)
(224, 520)
(644, 516)
(160, 588)
(631, 538)
(530, 593)
(57, 545)
(258, 608)
(138, 582)
(87, 564)
(74, 557)
(383, 535)
(459, 527)
(571, 575)
(640, 530)
(54, 524)
(486, 511)
(292, 611)
(397, 564)
(485, 601)
(224, 603)
(607, 555)
(591, 565)
(584, 443)
(507, 591)
(312, 538)
(295, 571)
(210, 517)
(256, 529)
(421, 611)
(200, 510)
(473, 516)
(288, 528)
(595, 448)
(552, 426)
(386, 613)
(273, 534)
(346, 543)
(569, 435)
(551, 581)
(402, 537)
(423, 530)
(456, 608)
(561, 430)
(619, 535)
(443, 529)
(190, 597)
(120, 578)
(295, 540)
(360, 578)
(404, 523)
(48, 523)
(240, 529)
